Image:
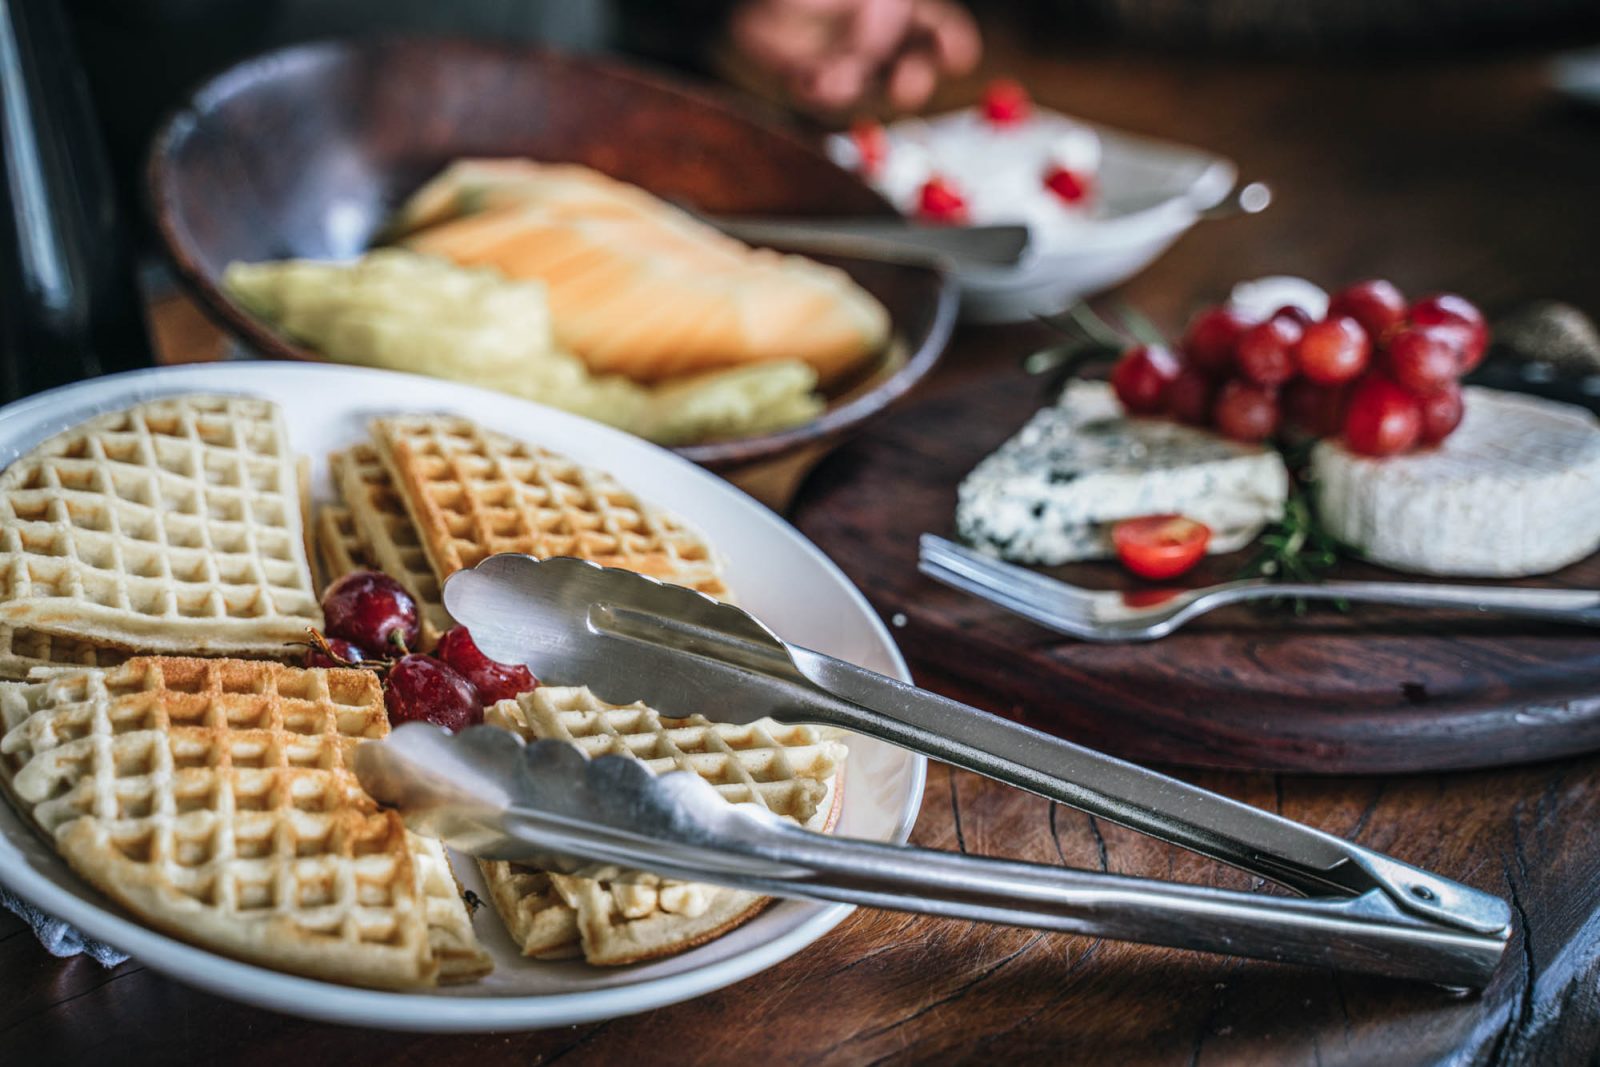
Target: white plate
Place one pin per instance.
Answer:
(780, 576)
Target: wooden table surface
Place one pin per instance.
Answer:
(1457, 174)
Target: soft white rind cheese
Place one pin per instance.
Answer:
(1051, 493)
(1514, 491)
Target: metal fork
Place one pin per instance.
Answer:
(1114, 615)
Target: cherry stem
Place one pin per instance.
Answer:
(397, 639)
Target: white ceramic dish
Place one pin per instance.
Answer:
(780, 576)
(1150, 193)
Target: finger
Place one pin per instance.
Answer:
(784, 34)
(879, 27)
(838, 82)
(912, 79)
(957, 43)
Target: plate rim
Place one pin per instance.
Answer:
(264, 987)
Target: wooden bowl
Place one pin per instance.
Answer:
(305, 152)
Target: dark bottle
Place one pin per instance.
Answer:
(69, 299)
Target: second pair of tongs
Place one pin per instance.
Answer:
(629, 637)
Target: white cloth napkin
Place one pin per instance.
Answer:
(57, 937)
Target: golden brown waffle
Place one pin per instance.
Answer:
(387, 534)
(23, 650)
(790, 770)
(473, 493)
(174, 526)
(214, 800)
(339, 546)
(450, 932)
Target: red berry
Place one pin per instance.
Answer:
(1448, 309)
(342, 649)
(939, 201)
(495, 681)
(1333, 351)
(1376, 304)
(1189, 397)
(1070, 186)
(872, 144)
(1005, 102)
(1266, 351)
(1312, 409)
(1246, 412)
(1383, 418)
(1425, 358)
(371, 610)
(1295, 314)
(422, 689)
(1441, 413)
(1212, 339)
(1141, 377)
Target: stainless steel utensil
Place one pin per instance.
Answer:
(1107, 615)
(548, 805)
(630, 637)
(1002, 245)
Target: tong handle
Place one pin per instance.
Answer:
(1296, 856)
(1366, 933)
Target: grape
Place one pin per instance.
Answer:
(495, 681)
(1425, 358)
(1212, 339)
(1383, 418)
(1448, 309)
(1141, 377)
(372, 610)
(423, 689)
(1246, 412)
(1266, 351)
(1312, 409)
(1295, 314)
(1376, 304)
(1189, 397)
(1441, 413)
(1333, 351)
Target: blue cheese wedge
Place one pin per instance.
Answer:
(1514, 491)
(1051, 493)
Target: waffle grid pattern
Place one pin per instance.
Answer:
(172, 526)
(473, 493)
(783, 768)
(23, 650)
(387, 534)
(214, 798)
(788, 769)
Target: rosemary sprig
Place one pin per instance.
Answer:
(1295, 549)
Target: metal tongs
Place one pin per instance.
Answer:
(630, 637)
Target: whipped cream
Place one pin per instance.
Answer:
(999, 170)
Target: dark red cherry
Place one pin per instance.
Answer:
(495, 681)
(423, 689)
(372, 610)
(348, 655)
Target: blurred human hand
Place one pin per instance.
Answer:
(830, 55)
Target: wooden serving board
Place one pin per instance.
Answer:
(1373, 690)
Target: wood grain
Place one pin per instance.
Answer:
(1407, 170)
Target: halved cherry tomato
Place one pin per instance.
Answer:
(1160, 546)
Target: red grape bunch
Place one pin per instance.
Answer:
(1379, 373)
